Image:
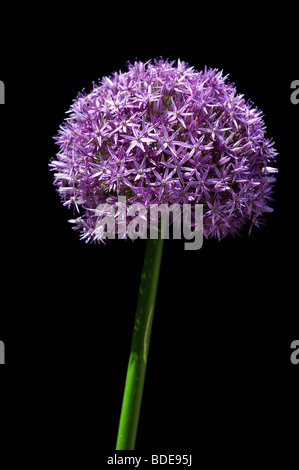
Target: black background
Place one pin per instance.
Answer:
(219, 383)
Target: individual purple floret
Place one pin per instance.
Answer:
(164, 133)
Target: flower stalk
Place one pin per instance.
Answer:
(134, 384)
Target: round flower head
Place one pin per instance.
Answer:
(163, 133)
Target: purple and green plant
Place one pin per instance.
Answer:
(162, 133)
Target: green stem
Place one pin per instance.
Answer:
(130, 410)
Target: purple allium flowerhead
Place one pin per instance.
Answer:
(162, 132)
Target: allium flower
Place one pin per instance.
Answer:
(164, 133)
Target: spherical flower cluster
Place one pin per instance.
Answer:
(162, 132)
